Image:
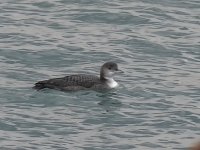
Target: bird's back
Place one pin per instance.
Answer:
(69, 83)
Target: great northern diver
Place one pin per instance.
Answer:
(83, 81)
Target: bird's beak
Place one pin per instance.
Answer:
(119, 71)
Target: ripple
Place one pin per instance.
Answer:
(155, 43)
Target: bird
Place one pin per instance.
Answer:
(78, 82)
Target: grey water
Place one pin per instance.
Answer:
(155, 43)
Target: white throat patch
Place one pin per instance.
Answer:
(111, 83)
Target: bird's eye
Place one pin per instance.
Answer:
(109, 68)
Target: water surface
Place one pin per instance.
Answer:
(156, 44)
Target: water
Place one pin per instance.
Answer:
(156, 44)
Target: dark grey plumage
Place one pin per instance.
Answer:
(80, 81)
(72, 82)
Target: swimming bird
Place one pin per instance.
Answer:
(83, 81)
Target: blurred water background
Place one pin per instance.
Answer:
(157, 45)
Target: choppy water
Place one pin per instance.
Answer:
(157, 45)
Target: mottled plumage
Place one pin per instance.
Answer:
(79, 81)
(82, 81)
